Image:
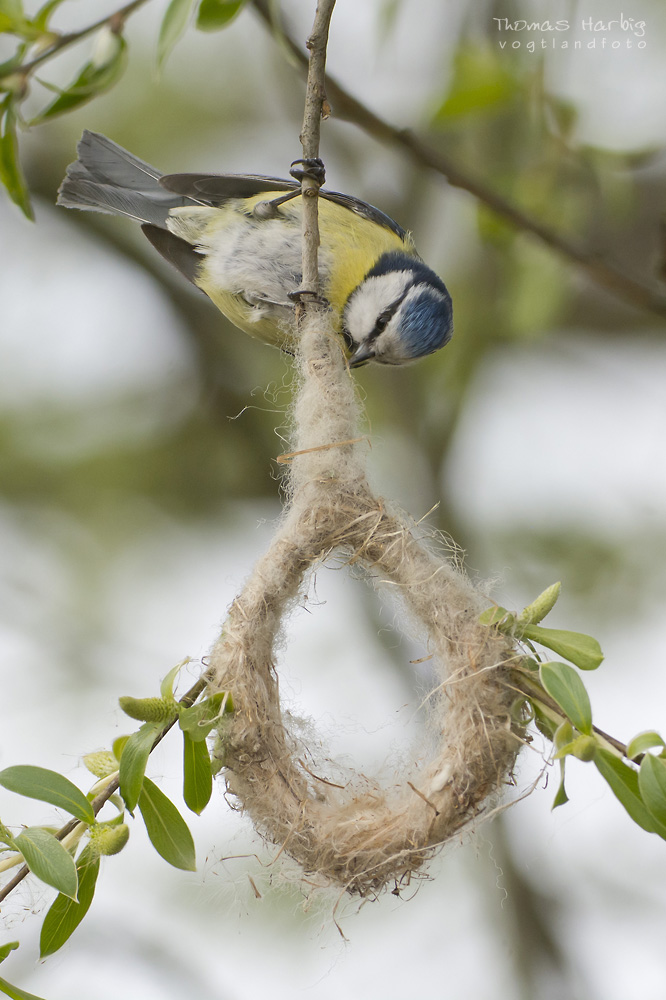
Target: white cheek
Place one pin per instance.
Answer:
(372, 297)
(361, 315)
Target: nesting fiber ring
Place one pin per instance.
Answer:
(360, 836)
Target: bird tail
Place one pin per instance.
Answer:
(107, 178)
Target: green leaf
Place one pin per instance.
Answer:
(168, 831)
(200, 719)
(118, 746)
(11, 16)
(12, 8)
(166, 687)
(95, 78)
(539, 608)
(642, 742)
(497, 615)
(11, 175)
(216, 14)
(582, 746)
(41, 19)
(48, 859)
(218, 758)
(133, 762)
(173, 26)
(15, 993)
(48, 786)
(197, 774)
(116, 801)
(566, 688)
(6, 949)
(6, 836)
(546, 726)
(652, 786)
(581, 649)
(116, 820)
(623, 781)
(561, 797)
(481, 82)
(563, 735)
(65, 914)
(9, 65)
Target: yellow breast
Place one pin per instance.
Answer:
(354, 245)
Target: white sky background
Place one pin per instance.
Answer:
(588, 425)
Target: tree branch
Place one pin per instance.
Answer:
(115, 21)
(527, 684)
(315, 103)
(100, 800)
(348, 108)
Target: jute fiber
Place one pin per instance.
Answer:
(358, 834)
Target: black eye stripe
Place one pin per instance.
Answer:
(385, 316)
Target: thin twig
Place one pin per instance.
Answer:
(315, 101)
(115, 21)
(348, 108)
(100, 800)
(529, 686)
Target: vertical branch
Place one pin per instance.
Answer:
(316, 107)
(325, 408)
(604, 272)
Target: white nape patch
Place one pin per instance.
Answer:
(369, 301)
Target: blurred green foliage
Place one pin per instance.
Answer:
(231, 102)
(491, 108)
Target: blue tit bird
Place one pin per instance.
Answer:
(237, 237)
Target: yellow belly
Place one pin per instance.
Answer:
(248, 318)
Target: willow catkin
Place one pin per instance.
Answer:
(359, 835)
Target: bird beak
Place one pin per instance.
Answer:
(361, 356)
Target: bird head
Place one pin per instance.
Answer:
(400, 311)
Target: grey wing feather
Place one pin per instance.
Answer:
(178, 252)
(215, 189)
(107, 178)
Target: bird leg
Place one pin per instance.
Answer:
(313, 169)
(298, 296)
(270, 209)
